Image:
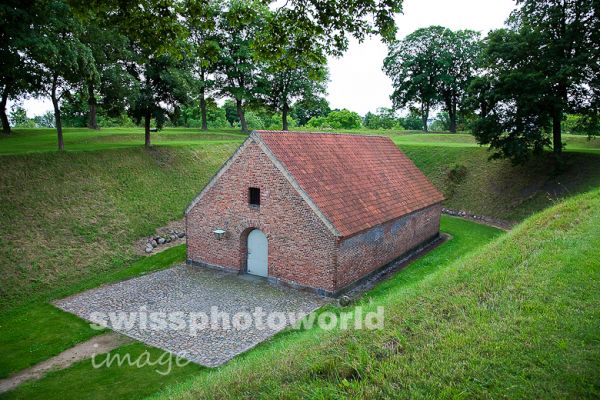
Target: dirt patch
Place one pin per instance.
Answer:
(96, 345)
(168, 231)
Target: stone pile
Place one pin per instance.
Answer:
(159, 240)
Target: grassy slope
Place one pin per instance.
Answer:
(37, 331)
(83, 382)
(520, 323)
(69, 216)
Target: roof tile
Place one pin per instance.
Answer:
(357, 181)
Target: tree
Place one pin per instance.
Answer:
(335, 20)
(545, 63)
(337, 119)
(19, 74)
(414, 66)
(306, 108)
(110, 50)
(66, 61)
(238, 67)
(385, 118)
(433, 66)
(458, 69)
(231, 113)
(201, 21)
(295, 76)
(164, 82)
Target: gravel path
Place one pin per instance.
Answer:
(194, 293)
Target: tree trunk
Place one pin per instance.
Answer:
(556, 133)
(147, 118)
(3, 116)
(93, 105)
(57, 117)
(203, 101)
(284, 115)
(452, 115)
(424, 116)
(240, 112)
(203, 111)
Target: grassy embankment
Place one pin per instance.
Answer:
(82, 381)
(70, 217)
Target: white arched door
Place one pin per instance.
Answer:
(258, 253)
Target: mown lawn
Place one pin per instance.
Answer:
(82, 381)
(517, 318)
(26, 141)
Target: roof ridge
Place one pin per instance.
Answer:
(259, 131)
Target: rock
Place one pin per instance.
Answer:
(161, 240)
(344, 301)
(168, 239)
(173, 237)
(149, 248)
(180, 234)
(154, 243)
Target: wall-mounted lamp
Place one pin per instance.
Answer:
(219, 233)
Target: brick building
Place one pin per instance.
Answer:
(315, 210)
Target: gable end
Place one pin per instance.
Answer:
(220, 173)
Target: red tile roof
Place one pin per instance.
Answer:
(356, 181)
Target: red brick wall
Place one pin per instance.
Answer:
(301, 248)
(363, 253)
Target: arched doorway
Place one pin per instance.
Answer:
(258, 253)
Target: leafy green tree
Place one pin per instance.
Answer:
(545, 63)
(47, 120)
(412, 121)
(231, 112)
(337, 119)
(19, 74)
(414, 66)
(306, 108)
(459, 65)
(156, 61)
(238, 67)
(164, 82)
(19, 118)
(433, 66)
(65, 60)
(335, 20)
(294, 77)
(110, 49)
(385, 118)
(201, 18)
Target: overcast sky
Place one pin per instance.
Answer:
(357, 82)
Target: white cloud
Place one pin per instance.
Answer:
(357, 82)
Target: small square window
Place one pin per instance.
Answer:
(254, 196)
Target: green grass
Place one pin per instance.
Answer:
(37, 331)
(498, 189)
(66, 217)
(82, 381)
(517, 318)
(26, 141)
(69, 220)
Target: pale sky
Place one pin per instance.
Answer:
(356, 79)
